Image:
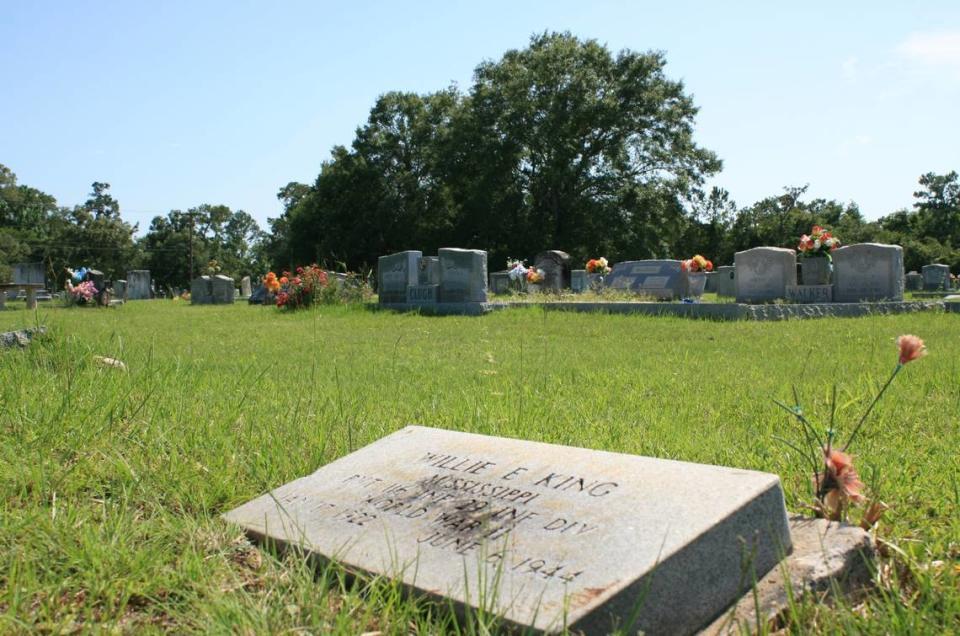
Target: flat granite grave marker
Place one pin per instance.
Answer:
(763, 273)
(659, 278)
(546, 536)
(868, 272)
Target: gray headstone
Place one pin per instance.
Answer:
(463, 275)
(29, 274)
(763, 273)
(659, 278)
(867, 272)
(711, 285)
(499, 282)
(201, 291)
(556, 536)
(935, 277)
(246, 289)
(914, 281)
(810, 293)
(579, 282)
(138, 284)
(556, 269)
(726, 277)
(396, 272)
(429, 270)
(222, 290)
(120, 289)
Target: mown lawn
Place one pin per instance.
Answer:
(113, 481)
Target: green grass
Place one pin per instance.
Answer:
(113, 482)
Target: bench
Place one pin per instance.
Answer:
(30, 288)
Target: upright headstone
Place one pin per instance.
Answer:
(29, 274)
(763, 273)
(579, 281)
(429, 271)
(711, 285)
(396, 272)
(138, 284)
(553, 536)
(726, 276)
(868, 272)
(201, 291)
(463, 275)
(914, 281)
(662, 279)
(556, 269)
(246, 290)
(222, 290)
(935, 277)
(120, 289)
(499, 282)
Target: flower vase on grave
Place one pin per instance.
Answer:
(595, 282)
(533, 288)
(815, 270)
(696, 282)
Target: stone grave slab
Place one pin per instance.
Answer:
(763, 273)
(548, 536)
(396, 272)
(246, 289)
(120, 289)
(810, 293)
(659, 278)
(138, 284)
(868, 272)
(463, 275)
(935, 277)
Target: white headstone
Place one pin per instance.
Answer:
(246, 289)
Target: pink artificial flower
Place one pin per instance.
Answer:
(911, 348)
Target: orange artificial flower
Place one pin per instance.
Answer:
(911, 348)
(842, 475)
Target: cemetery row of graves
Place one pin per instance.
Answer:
(459, 278)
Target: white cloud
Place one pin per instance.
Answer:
(934, 48)
(849, 146)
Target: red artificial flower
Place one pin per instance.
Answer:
(842, 475)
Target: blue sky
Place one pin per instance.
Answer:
(181, 103)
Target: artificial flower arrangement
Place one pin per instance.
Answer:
(837, 486)
(598, 266)
(81, 293)
(696, 264)
(298, 289)
(535, 275)
(271, 283)
(820, 242)
(516, 269)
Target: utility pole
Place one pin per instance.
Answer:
(191, 246)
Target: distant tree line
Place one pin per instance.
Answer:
(562, 145)
(34, 228)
